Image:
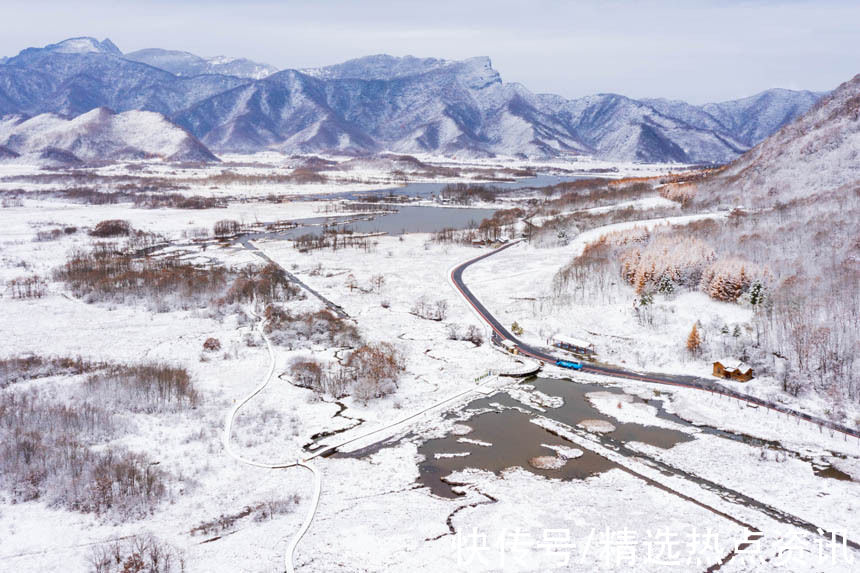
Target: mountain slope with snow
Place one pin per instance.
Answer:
(101, 134)
(754, 118)
(187, 64)
(67, 81)
(377, 67)
(818, 152)
(460, 107)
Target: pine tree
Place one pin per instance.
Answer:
(756, 293)
(694, 341)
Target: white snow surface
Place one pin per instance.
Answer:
(371, 515)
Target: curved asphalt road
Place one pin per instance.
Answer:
(501, 333)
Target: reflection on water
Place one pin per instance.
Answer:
(515, 440)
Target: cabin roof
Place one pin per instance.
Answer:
(734, 364)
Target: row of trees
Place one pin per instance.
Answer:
(27, 287)
(334, 239)
(665, 261)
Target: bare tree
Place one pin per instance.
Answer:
(377, 281)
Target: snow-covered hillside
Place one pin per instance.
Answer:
(818, 152)
(103, 135)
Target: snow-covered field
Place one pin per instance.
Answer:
(374, 515)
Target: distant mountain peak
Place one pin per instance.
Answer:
(187, 64)
(84, 45)
(377, 67)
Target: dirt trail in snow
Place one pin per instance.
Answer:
(228, 430)
(331, 305)
(322, 451)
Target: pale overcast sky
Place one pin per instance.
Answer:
(697, 51)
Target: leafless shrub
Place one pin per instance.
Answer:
(143, 554)
(32, 286)
(435, 310)
(450, 235)
(374, 370)
(50, 235)
(196, 233)
(320, 328)
(259, 512)
(682, 193)
(266, 285)
(9, 202)
(307, 373)
(227, 228)
(17, 369)
(111, 228)
(376, 281)
(46, 453)
(471, 334)
(272, 508)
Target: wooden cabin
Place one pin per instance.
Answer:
(733, 369)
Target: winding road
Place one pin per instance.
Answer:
(501, 333)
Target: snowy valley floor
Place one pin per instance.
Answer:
(374, 514)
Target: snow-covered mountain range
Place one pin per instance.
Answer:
(379, 103)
